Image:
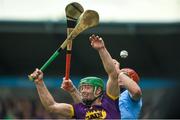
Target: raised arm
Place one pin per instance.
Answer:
(126, 78)
(112, 87)
(63, 109)
(68, 86)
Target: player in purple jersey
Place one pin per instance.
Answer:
(97, 103)
(101, 106)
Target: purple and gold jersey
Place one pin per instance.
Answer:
(107, 110)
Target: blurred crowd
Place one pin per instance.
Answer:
(23, 108)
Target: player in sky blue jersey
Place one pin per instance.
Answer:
(130, 102)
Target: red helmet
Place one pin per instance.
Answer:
(131, 73)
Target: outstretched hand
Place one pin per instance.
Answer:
(67, 85)
(96, 42)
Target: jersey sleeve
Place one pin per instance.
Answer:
(111, 102)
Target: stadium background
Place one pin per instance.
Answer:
(153, 52)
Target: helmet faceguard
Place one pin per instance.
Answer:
(95, 82)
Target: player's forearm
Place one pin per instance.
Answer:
(134, 90)
(45, 96)
(131, 86)
(107, 61)
(76, 96)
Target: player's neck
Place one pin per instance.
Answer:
(97, 101)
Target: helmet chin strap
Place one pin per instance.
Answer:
(89, 102)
